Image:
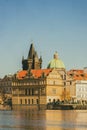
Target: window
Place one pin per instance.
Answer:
(25, 91)
(63, 77)
(20, 101)
(25, 101)
(35, 92)
(64, 83)
(32, 91)
(28, 101)
(42, 90)
(54, 82)
(37, 101)
(32, 101)
(70, 83)
(29, 91)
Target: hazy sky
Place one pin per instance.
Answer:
(53, 25)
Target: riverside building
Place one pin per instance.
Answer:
(36, 87)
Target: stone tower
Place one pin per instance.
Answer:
(32, 61)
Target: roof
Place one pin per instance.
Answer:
(32, 52)
(36, 73)
(77, 74)
(56, 63)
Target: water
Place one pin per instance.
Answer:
(44, 120)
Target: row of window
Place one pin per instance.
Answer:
(29, 101)
(82, 89)
(26, 91)
(7, 89)
(27, 83)
(81, 85)
(5, 84)
(68, 83)
(82, 96)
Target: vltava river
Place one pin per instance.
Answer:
(44, 120)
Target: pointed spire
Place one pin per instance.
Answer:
(31, 51)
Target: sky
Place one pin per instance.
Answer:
(52, 25)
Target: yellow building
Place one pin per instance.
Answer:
(37, 87)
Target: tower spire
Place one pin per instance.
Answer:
(31, 51)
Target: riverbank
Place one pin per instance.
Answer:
(49, 107)
(67, 107)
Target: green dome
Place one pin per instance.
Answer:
(56, 63)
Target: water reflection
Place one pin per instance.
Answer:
(43, 120)
(66, 120)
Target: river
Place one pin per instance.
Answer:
(44, 120)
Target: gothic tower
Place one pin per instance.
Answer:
(32, 61)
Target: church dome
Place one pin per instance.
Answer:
(56, 63)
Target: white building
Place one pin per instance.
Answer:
(81, 89)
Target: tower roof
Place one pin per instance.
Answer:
(32, 61)
(31, 51)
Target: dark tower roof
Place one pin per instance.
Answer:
(32, 61)
(31, 52)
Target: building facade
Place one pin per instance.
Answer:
(81, 90)
(39, 88)
(79, 84)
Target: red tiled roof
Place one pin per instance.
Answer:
(38, 73)
(77, 74)
(21, 74)
(35, 73)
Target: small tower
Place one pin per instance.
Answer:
(32, 61)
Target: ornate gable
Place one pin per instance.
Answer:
(54, 74)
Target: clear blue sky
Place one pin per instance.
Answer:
(53, 25)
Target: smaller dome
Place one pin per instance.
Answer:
(56, 63)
